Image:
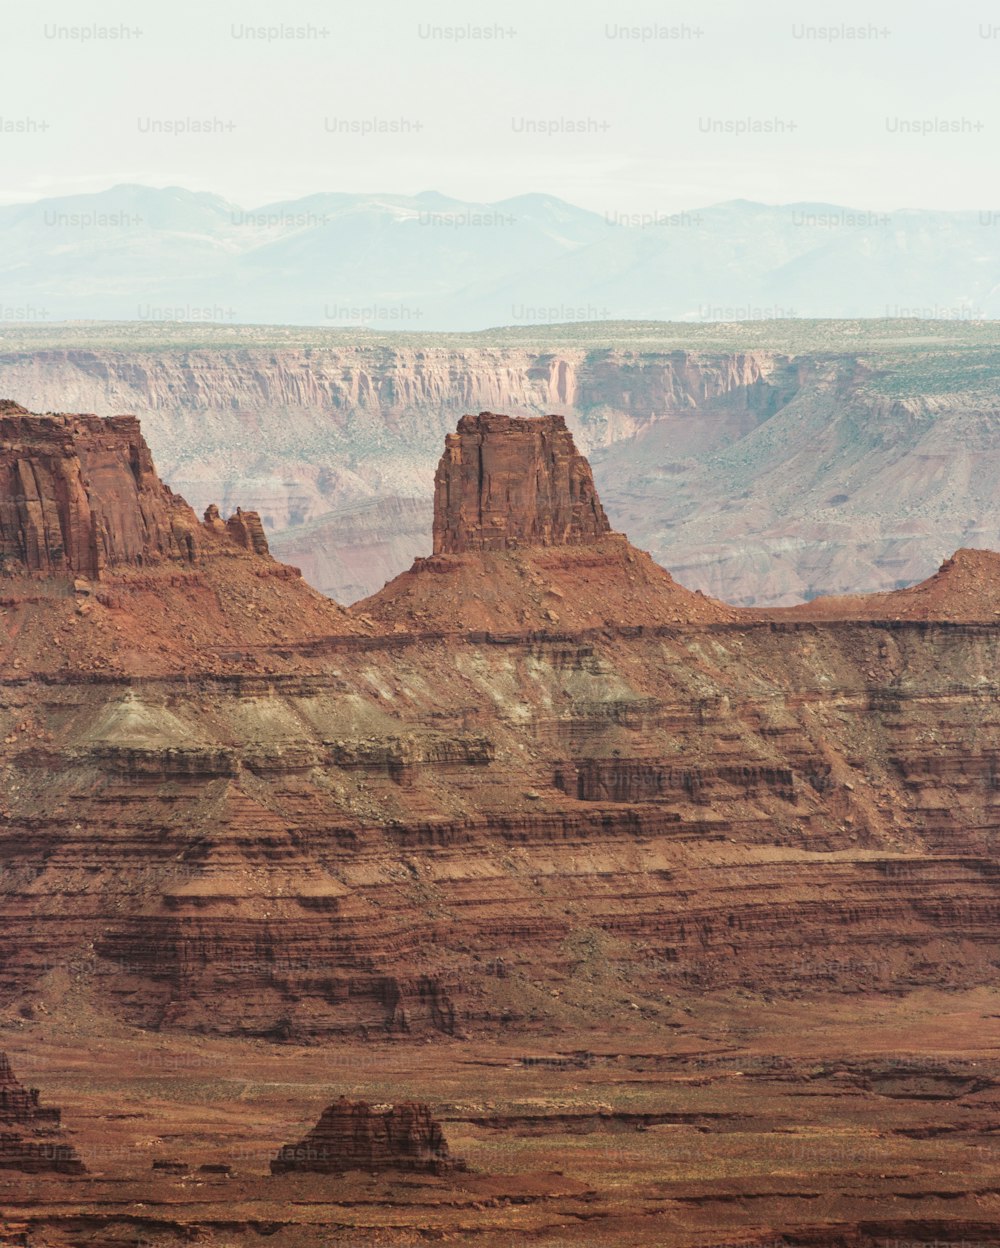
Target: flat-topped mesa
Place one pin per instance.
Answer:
(506, 482)
(30, 1133)
(353, 1135)
(79, 494)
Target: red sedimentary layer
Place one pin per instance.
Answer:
(521, 795)
(296, 821)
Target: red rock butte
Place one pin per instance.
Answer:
(507, 481)
(520, 532)
(79, 494)
(353, 1135)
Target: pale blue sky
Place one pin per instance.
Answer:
(653, 111)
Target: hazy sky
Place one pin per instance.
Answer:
(574, 99)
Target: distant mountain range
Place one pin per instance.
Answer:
(427, 262)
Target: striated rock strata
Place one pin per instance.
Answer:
(79, 494)
(353, 1135)
(516, 786)
(505, 482)
(362, 423)
(760, 463)
(31, 1138)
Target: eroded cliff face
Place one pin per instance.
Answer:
(506, 482)
(758, 476)
(189, 399)
(79, 494)
(516, 787)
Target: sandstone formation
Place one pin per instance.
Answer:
(693, 909)
(299, 822)
(246, 530)
(30, 1135)
(79, 494)
(363, 425)
(505, 482)
(88, 530)
(353, 1135)
(521, 540)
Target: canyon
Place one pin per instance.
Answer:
(679, 918)
(763, 463)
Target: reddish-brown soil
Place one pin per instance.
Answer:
(605, 583)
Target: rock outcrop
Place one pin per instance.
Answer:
(540, 801)
(522, 539)
(79, 494)
(505, 482)
(246, 530)
(31, 1138)
(353, 1135)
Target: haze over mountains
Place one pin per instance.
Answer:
(430, 262)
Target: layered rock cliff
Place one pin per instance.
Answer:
(353, 1135)
(761, 463)
(79, 494)
(692, 910)
(506, 482)
(314, 437)
(517, 786)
